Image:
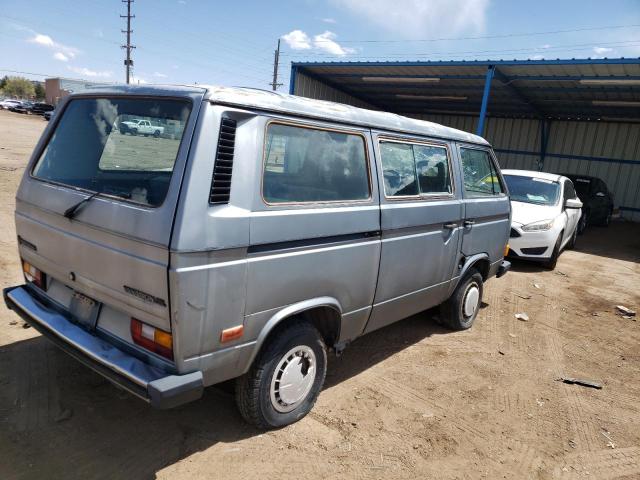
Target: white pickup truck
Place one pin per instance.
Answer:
(141, 127)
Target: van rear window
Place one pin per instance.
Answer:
(121, 146)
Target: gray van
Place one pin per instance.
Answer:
(258, 232)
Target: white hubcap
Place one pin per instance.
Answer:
(293, 378)
(471, 300)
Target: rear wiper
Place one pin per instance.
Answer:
(72, 210)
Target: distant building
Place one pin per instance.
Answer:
(58, 88)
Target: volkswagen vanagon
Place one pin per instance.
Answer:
(258, 232)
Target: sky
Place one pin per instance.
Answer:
(232, 43)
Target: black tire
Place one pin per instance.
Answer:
(156, 133)
(583, 222)
(452, 312)
(607, 219)
(553, 261)
(123, 130)
(133, 131)
(253, 389)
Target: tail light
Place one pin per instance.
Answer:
(33, 275)
(153, 339)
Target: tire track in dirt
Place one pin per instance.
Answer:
(581, 419)
(602, 465)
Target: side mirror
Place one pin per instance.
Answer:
(601, 194)
(573, 203)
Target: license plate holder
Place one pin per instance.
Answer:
(84, 310)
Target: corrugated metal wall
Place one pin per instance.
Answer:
(309, 87)
(608, 150)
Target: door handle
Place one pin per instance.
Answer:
(468, 223)
(450, 226)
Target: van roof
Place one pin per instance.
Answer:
(291, 104)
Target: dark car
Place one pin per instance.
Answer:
(47, 115)
(41, 108)
(597, 200)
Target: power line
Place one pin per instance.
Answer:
(128, 62)
(567, 47)
(486, 37)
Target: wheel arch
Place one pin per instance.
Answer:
(325, 313)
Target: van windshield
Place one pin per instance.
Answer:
(122, 146)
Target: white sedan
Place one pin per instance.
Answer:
(545, 211)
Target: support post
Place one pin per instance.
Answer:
(545, 130)
(485, 98)
(292, 80)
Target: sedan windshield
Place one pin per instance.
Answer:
(532, 190)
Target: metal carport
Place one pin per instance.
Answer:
(567, 116)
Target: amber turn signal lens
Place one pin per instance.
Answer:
(33, 275)
(232, 333)
(506, 250)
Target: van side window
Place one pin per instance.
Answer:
(399, 169)
(313, 165)
(411, 169)
(480, 174)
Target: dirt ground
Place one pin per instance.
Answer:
(409, 401)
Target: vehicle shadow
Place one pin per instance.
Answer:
(620, 240)
(62, 420)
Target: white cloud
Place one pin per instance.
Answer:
(47, 42)
(602, 50)
(90, 73)
(60, 56)
(329, 20)
(422, 18)
(159, 75)
(537, 57)
(297, 40)
(44, 40)
(325, 42)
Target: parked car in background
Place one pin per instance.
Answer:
(7, 104)
(271, 230)
(22, 107)
(47, 115)
(40, 108)
(141, 127)
(597, 200)
(545, 215)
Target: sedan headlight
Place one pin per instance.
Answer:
(540, 226)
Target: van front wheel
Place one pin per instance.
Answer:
(461, 310)
(286, 378)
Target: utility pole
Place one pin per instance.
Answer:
(276, 58)
(128, 62)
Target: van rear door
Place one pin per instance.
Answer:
(113, 247)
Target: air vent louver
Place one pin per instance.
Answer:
(221, 182)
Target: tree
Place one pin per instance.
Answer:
(19, 87)
(39, 91)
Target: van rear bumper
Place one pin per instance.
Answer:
(156, 386)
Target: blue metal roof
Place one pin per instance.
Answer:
(606, 88)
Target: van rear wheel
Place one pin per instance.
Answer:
(461, 310)
(286, 378)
